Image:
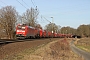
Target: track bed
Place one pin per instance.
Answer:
(11, 48)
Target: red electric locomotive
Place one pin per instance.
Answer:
(24, 31)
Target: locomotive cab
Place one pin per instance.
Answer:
(20, 30)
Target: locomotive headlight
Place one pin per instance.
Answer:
(23, 27)
(18, 30)
(23, 31)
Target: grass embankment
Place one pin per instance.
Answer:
(84, 44)
(55, 50)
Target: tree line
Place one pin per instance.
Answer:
(9, 18)
(82, 30)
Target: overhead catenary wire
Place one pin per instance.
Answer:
(46, 19)
(3, 2)
(28, 5)
(21, 4)
(33, 3)
(25, 3)
(36, 9)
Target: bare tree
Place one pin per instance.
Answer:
(51, 27)
(30, 17)
(8, 17)
(19, 19)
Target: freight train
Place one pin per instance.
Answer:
(25, 31)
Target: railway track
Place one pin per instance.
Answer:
(7, 41)
(3, 41)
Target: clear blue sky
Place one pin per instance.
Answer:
(64, 12)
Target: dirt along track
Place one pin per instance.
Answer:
(19, 45)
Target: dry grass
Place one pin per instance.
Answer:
(56, 50)
(84, 44)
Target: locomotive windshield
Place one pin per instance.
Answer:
(21, 27)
